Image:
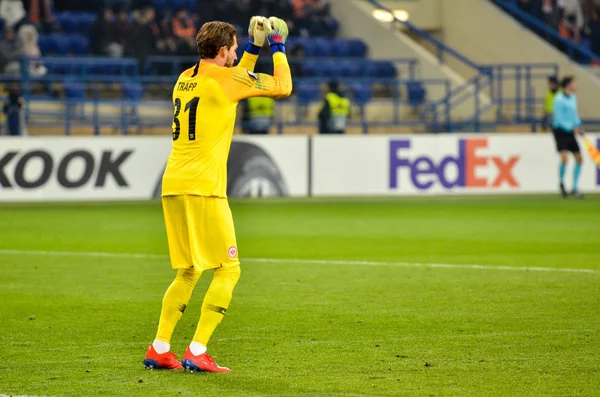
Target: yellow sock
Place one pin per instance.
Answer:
(175, 301)
(216, 302)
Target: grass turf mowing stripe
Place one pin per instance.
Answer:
(309, 261)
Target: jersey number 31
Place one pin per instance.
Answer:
(192, 106)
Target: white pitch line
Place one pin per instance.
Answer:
(82, 253)
(309, 261)
(16, 395)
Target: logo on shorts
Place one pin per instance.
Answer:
(232, 252)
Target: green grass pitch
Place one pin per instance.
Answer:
(351, 315)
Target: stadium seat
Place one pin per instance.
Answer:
(312, 68)
(59, 68)
(321, 48)
(347, 69)
(68, 22)
(341, 49)
(380, 69)
(45, 44)
(85, 21)
(133, 91)
(362, 93)
(308, 93)
(79, 45)
(371, 69)
(355, 69)
(357, 49)
(100, 69)
(176, 4)
(386, 70)
(160, 5)
(331, 69)
(74, 90)
(60, 44)
(416, 93)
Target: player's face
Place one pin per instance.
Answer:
(231, 56)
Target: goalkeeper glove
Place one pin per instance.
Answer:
(258, 30)
(278, 34)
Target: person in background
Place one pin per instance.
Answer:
(12, 110)
(322, 24)
(13, 13)
(258, 112)
(335, 112)
(10, 52)
(594, 25)
(121, 31)
(297, 55)
(567, 29)
(531, 7)
(28, 36)
(550, 13)
(282, 8)
(146, 35)
(572, 19)
(100, 33)
(39, 13)
(566, 123)
(184, 30)
(552, 90)
(258, 115)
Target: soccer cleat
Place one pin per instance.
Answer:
(167, 360)
(563, 191)
(577, 194)
(201, 363)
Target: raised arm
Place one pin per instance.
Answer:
(249, 59)
(245, 83)
(257, 36)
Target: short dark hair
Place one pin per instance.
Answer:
(553, 80)
(566, 81)
(214, 35)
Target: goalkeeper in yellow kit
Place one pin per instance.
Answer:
(198, 220)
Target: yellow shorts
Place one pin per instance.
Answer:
(200, 232)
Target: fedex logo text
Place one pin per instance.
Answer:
(424, 172)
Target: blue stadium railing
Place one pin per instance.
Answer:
(575, 51)
(82, 79)
(432, 115)
(82, 110)
(442, 50)
(174, 65)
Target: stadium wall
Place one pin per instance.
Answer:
(386, 41)
(130, 168)
(466, 27)
(423, 13)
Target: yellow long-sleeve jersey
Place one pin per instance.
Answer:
(205, 99)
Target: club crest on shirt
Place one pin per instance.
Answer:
(232, 252)
(253, 75)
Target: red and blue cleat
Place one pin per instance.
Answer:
(167, 360)
(201, 363)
